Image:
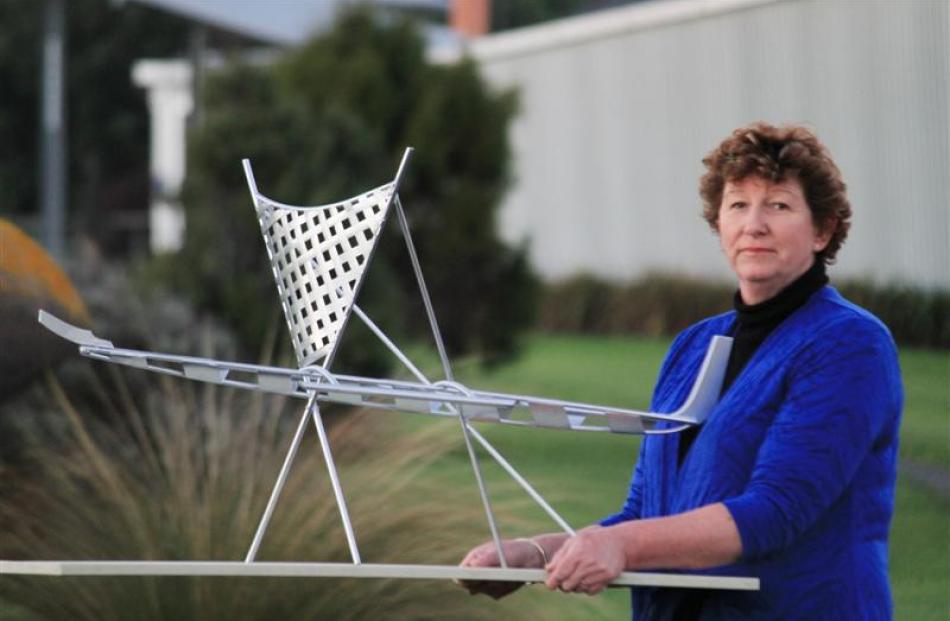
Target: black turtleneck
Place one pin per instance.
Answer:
(754, 322)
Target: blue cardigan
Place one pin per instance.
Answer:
(802, 450)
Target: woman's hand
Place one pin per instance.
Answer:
(587, 562)
(697, 539)
(519, 554)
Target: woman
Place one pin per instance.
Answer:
(791, 479)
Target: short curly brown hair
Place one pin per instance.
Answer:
(776, 154)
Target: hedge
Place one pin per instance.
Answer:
(664, 304)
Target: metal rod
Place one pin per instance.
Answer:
(334, 480)
(404, 225)
(279, 485)
(389, 344)
(521, 481)
(483, 491)
(447, 369)
(496, 455)
(403, 164)
(251, 182)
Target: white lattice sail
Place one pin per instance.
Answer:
(319, 256)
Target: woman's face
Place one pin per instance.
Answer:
(767, 233)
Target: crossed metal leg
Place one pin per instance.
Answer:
(311, 411)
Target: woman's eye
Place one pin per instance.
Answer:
(780, 206)
(737, 205)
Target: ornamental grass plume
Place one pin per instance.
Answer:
(175, 470)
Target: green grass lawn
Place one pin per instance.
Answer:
(585, 475)
(925, 431)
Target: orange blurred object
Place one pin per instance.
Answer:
(29, 281)
(470, 18)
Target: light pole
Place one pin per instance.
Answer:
(53, 130)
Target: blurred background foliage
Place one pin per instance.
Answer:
(664, 304)
(330, 121)
(107, 118)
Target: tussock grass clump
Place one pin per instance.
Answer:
(183, 471)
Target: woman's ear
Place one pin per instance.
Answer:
(823, 234)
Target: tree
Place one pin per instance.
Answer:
(330, 121)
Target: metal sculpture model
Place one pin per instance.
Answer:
(319, 256)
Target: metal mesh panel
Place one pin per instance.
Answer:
(319, 256)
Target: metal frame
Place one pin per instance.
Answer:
(417, 397)
(319, 256)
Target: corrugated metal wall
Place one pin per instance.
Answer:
(618, 109)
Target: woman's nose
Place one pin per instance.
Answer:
(755, 221)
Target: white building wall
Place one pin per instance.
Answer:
(619, 107)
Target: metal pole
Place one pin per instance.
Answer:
(466, 428)
(404, 225)
(279, 485)
(197, 52)
(486, 502)
(447, 369)
(520, 480)
(498, 457)
(400, 172)
(390, 345)
(337, 490)
(53, 140)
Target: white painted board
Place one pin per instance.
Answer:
(348, 570)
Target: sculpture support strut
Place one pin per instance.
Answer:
(447, 369)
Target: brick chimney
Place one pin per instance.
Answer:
(470, 18)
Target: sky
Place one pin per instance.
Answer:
(280, 21)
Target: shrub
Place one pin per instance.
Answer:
(656, 304)
(915, 316)
(665, 304)
(575, 305)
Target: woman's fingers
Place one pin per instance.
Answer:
(563, 568)
(597, 581)
(517, 554)
(597, 588)
(480, 557)
(586, 563)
